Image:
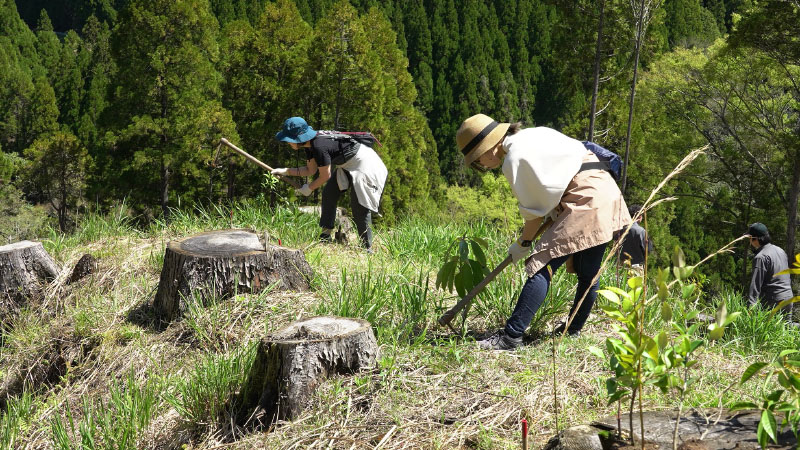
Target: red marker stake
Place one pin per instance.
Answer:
(524, 434)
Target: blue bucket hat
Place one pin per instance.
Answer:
(295, 129)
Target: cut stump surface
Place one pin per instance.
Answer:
(292, 362)
(24, 267)
(220, 264)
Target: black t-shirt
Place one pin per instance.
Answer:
(325, 150)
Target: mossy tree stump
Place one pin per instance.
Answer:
(219, 264)
(24, 268)
(291, 363)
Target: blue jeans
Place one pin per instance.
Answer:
(586, 262)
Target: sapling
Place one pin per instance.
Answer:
(638, 359)
(464, 266)
(785, 369)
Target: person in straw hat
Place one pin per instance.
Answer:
(356, 164)
(553, 177)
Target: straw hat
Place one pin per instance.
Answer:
(477, 135)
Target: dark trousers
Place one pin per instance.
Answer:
(586, 262)
(361, 215)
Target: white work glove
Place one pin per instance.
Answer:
(518, 252)
(280, 171)
(305, 190)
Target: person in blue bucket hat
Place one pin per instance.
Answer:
(342, 164)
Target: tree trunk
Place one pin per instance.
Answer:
(291, 363)
(630, 118)
(219, 264)
(598, 53)
(24, 267)
(794, 193)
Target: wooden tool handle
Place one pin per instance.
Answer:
(257, 162)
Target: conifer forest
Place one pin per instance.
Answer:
(111, 119)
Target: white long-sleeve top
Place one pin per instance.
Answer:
(539, 164)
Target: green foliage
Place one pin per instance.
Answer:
(639, 359)
(58, 170)
(785, 400)
(112, 424)
(492, 202)
(168, 114)
(204, 397)
(17, 413)
(465, 265)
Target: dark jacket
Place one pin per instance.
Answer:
(769, 260)
(633, 248)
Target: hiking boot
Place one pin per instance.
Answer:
(571, 333)
(499, 340)
(325, 238)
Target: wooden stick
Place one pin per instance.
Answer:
(451, 313)
(255, 160)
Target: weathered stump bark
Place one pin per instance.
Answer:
(24, 267)
(218, 264)
(291, 363)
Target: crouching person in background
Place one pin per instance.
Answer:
(552, 176)
(766, 287)
(358, 168)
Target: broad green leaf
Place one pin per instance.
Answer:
(715, 331)
(786, 353)
(783, 304)
(466, 277)
(743, 405)
(463, 251)
(732, 317)
(477, 273)
(770, 426)
(635, 282)
(687, 290)
(775, 395)
(663, 340)
(609, 295)
(596, 352)
(678, 259)
(666, 312)
(458, 283)
(482, 242)
(480, 256)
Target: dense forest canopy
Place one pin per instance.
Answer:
(105, 101)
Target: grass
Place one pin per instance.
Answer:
(175, 386)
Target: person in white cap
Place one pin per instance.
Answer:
(356, 164)
(552, 176)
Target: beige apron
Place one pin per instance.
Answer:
(591, 210)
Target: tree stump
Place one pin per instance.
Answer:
(84, 267)
(291, 363)
(24, 267)
(219, 264)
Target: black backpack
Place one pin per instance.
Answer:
(362, 137)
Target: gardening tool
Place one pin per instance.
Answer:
(257, 162)
(464, 302)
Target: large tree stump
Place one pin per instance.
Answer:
(218, 264)
(24, 267)
(291, 363)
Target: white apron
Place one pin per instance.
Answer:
(369, 177)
